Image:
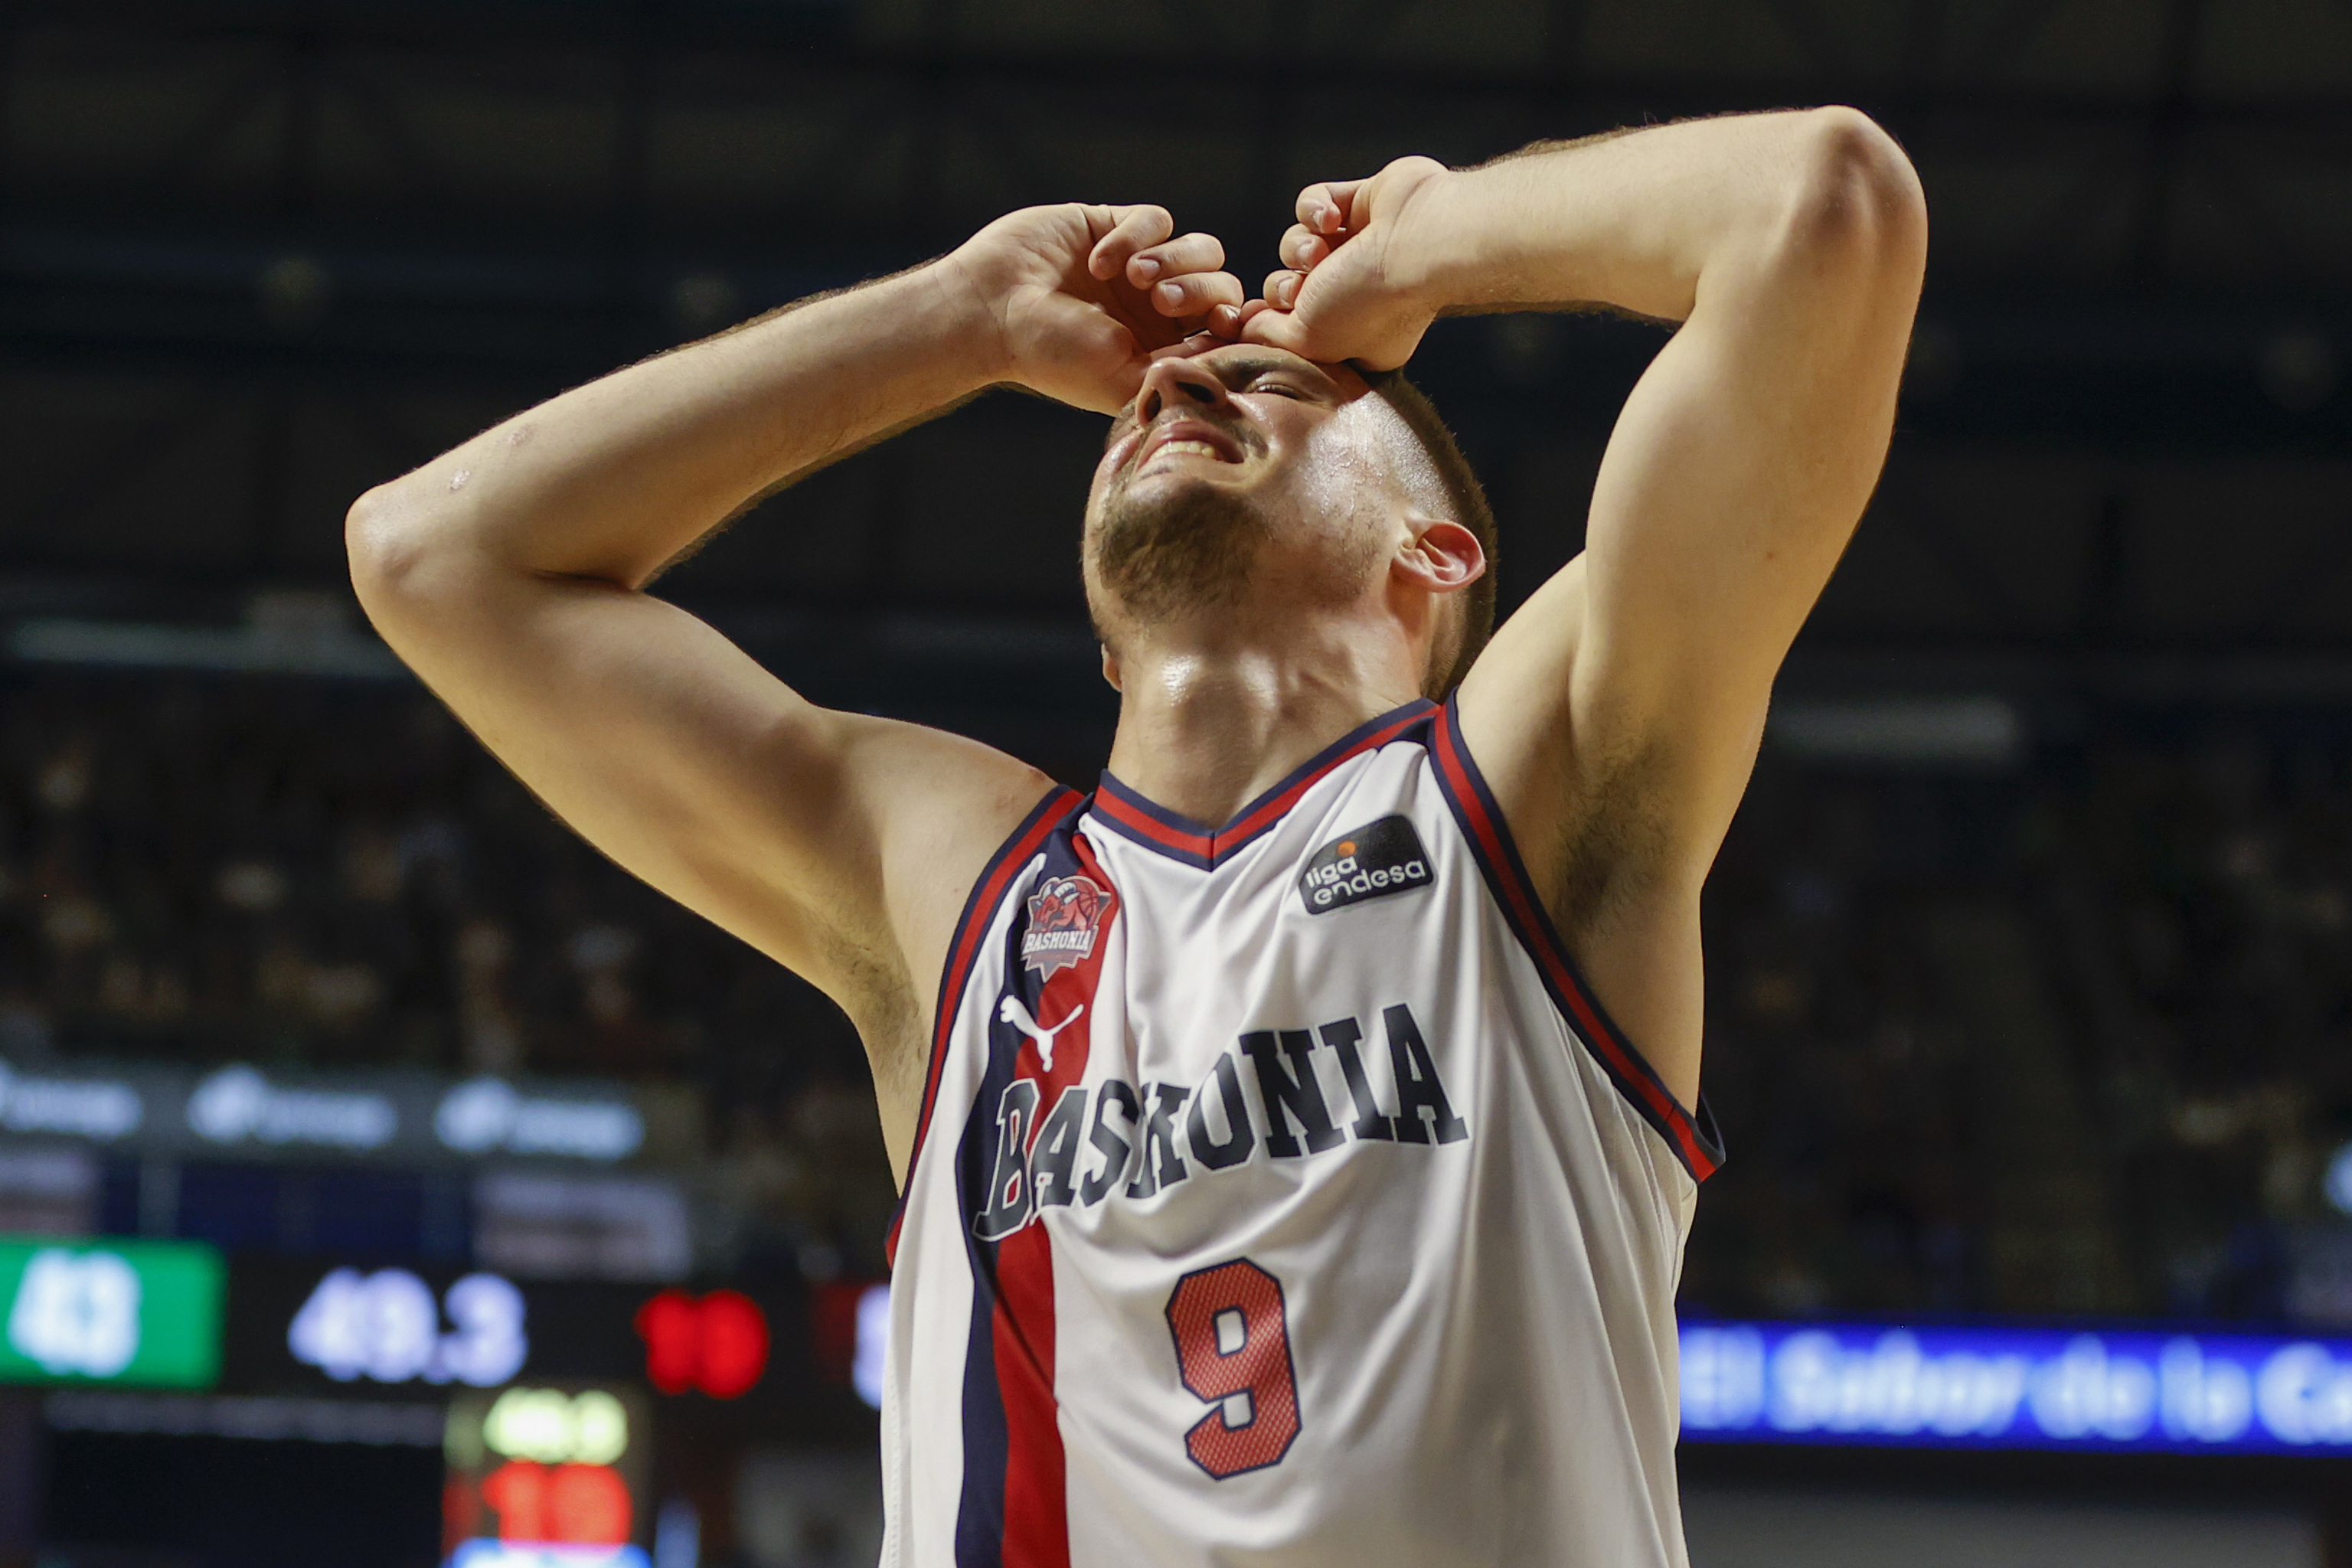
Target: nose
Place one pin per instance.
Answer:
(1177, 383)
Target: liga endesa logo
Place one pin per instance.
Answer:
(1066, 915)
(1369, 862)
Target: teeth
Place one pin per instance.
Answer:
(1200, 449)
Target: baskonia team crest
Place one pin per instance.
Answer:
(1066, 915)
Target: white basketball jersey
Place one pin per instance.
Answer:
(1282, 1196)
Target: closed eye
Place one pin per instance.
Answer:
(1280, 390)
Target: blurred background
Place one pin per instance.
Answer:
(462, 1192)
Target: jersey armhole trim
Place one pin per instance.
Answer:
(978, 909)
(1692, 1137)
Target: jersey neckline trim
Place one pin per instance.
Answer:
(1692, 1137)
(963, 949)
(1180, 838)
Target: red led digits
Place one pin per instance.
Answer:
(671, 1326)
(734, 1344)
(587, 1505)
(547, 1471)
(518, 1490)
(718, 1343)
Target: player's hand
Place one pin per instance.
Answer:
(1084, 298)
(1347, 287)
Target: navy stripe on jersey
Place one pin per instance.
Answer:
(1694, 1138)
(1013, 1497)
(1119, 809)
(979, 1514)
(979, 908)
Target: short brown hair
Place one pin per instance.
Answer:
(1467, 498)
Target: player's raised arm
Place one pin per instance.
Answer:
(511, 574)
(1617, 714)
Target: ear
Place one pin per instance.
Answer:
(1110, 667)
(1442, 558)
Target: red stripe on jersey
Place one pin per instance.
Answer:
(1036, 1485)
(979, 909)
(1204, 844)
(1037, 1489)
(1488, 834)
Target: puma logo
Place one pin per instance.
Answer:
(1013, 1013)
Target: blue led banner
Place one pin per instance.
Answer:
(1868, 1384)
(536, 1554)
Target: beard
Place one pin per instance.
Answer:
(1177, 554)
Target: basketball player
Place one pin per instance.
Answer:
(1297, 1135)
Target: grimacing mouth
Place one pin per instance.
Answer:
(1226, 444)
(1187, 433)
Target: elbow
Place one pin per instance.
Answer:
(1855, 208)
(391, 552)
(369, 544)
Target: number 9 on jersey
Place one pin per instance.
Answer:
(1232, 1350)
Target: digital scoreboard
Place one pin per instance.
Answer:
(131, 1314)
(322, 1328)
(542, 1476)
(387, 1326)
(716, 1344)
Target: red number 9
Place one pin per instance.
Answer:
(1233, 1347)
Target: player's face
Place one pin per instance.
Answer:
(1240, 464)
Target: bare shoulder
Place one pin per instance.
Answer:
(943, 807)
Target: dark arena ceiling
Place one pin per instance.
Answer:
(255, 257)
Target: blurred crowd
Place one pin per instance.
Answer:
(2126, 972)
(334, 874)
(1840, 1080)
(2077, 1038)
(2202, 901)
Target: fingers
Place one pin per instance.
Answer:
(1301, 249)
(1197, 293)
(1130, 230)
(1200, 342)
(1224, 324)
(1248, 313)
(1276, 327)
(1186, 253)
(1323, 208)
(1281, 288)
